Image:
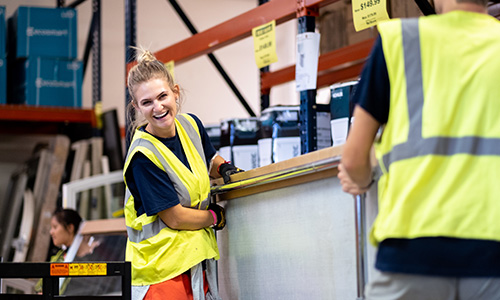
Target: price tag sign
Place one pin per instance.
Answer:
(264, 41)
(368, 13)
(170, 67)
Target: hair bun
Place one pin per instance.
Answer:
(143, 55)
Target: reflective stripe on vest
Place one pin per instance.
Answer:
(420, 146)
(153, 228)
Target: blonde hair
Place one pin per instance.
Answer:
(147, 68)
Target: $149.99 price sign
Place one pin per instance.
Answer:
(367, 4)
(367, 13)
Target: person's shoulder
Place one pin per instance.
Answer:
(196, 119)
(389, 22)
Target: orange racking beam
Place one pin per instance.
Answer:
(334, 66)
(14, 112)
(233, 30)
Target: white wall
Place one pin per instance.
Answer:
(158, 26)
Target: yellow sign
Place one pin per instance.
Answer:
(368, 13)
(264, 41)
(170, 67)
(85, 269)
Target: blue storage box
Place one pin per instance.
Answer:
(48, 81)
(3, 32)
(40, 31)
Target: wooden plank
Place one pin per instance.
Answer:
(278, 185)
(104, 226)
(309, 158)
(23, 239)
(97, 205)
(15, 199)
(59, 149)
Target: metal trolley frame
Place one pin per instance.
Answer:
(51, 272)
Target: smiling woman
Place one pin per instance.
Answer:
(170, 220)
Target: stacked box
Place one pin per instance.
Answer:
(3, 61)
(238, 140)
(48, 81)
(279, 134)
(40, 31)
(341, 110)
(42, 51)
(323, 126)
(213, 132)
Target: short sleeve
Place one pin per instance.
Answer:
(373, 90)
(151, 187)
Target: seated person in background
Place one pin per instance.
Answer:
(64, 227)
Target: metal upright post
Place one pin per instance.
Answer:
(308, 123)
(130, 41)
(361, 251)
(96, 63)
(96, 52)
(264, 95)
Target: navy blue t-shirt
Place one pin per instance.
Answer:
(151, 187)
(439, 256)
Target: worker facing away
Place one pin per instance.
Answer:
(170, 220)
(432, 84)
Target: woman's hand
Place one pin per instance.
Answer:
(348, 185)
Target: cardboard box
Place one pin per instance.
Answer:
(47, 81)
(40, 31)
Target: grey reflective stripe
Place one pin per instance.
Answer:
(128, 194)
(413, 72)
(416, 145)
(204, 204)
(180, 188)
(148, 231)
(188, 127)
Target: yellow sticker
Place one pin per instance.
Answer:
(91, 269)
(170, 67)
(82, 270)
(264, 41)
(97, 269)
(98, 114)
(101, 269)
(368, 13)
(73, 270)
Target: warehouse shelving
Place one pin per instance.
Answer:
(339, 65)
(46, 117)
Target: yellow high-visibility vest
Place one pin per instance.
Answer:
(158, 253)
(440, 149)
